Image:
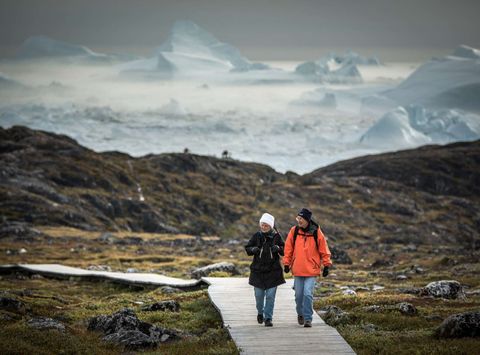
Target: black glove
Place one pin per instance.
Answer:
(255, 250)
(275, 249)
(286, 268)
(325, 271)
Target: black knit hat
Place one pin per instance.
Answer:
(305, 214)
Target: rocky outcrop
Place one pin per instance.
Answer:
(125, 329)
(460, 325)
(46, 323)
(438, 169)
(334, 316)
(444, 289)
(221, 267)
(19, 231)
(407, 308)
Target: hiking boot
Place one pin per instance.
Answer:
(260, 318)
(268, 323)
(300, 320)
(308, 324)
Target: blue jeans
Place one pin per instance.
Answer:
(265, 300)
(304, 286)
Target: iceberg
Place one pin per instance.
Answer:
(7, 83)
(191, 49)
(173, 108)
(444, 126)
(317, 98)
(415, 125)
(449, 82)
(464, 51)
(394, 131)
(351, 57)
(43, 47)
(334, 68)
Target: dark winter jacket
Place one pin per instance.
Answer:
(266, 270)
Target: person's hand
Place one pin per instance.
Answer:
(286, 268)
(275, 249)
(325, 271)
(255, 250)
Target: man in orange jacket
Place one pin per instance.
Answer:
(306, 250)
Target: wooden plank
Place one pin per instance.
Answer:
(128, 278)
(234, 299)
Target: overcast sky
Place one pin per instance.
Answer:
(262, 29)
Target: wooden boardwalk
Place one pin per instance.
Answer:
(57, 270)
(234, 299)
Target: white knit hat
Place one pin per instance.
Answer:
(268, 219)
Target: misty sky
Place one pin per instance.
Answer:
(262, 29)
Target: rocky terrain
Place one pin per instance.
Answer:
(403, 228)
(428, 195)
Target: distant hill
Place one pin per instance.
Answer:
(425, 195)
(442, 170)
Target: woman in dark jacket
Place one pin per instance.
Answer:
(266, 271)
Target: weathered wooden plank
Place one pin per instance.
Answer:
(128, 278)
(234, 299)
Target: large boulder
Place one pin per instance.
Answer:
(46, 323)
(444, 289)
(407, 308)
(460, 325)
(207, 270)
(125, 329)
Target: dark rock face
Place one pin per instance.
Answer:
(124, 328)
(444, 289)
(12, 305)
(171, 305)
(206, 270)
(46, 323)
(460, 325)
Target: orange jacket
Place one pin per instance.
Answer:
(304, 259)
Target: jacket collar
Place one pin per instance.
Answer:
(269, 234)
(310, 229)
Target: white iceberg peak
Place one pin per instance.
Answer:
(465, 51)
(189, 49)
